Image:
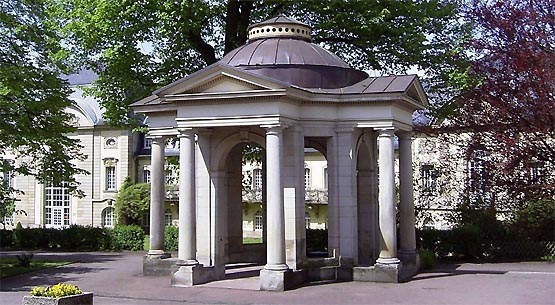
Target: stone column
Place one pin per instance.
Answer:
(386, 198)
(157, 198)
(187, 218)
(274, 276)
(275, 209)
(407, 224)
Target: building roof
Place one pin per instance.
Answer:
(280, 48)
(88, 105)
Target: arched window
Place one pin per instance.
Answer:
(258, 221)
(307, 220)
(257, 179)
(146, 176)
(168, 218)
(108, 217)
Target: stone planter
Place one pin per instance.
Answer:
(86, 298)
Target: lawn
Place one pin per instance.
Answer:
(9, 266)
(252, 240)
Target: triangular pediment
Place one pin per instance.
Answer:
(219, 78)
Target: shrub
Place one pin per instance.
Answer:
(6, 239)
(427, 259)
(127, 237)
(171, 238)
(317, 240)
(535, 221)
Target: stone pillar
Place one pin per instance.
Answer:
(407, 224)
(275, 209)
(407, 246)
(386, 198)
(273, 276)
(157, 198)
(187, 218)
(188, 271)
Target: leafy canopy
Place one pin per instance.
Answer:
(33, 127)
(138, 46)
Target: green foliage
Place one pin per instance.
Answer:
(317, 240)
(127, 237)
(427, 259)
(171, 241)
(24, 259)
(144, 45)
(75, 238)
(535, 221)
(132, 202)
(56, 291)
(34, 126)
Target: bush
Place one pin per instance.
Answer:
(171, 238)
(427, 259)
(535, 221)
(6, 239)
(127, 237)
(317, 240)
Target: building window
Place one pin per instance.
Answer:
(7, 173)
(168, 218)
(306, 178)
(7, 220)
(428, 178)
(478, 175)
(108, 217)
(147, 143)
(537, 172)
(307, 220)
(258, 221)
(257, 179)
(146, 176)
(110, 178)
(57, 206)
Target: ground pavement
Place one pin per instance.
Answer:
(116, 278)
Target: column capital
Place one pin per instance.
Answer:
(155, 137)
(185, 132)
(386, 132)
(404, 134)
(274, 129)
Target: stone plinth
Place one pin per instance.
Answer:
(190, 275)
(157, 265)
(386, 273)
(280, 280)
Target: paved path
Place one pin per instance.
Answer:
(115, 278)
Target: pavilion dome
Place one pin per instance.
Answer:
(280, 48)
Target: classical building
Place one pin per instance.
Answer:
(283, 93)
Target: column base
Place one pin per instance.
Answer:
(156, 264)
(274, 280)
(158, 254)
(190, 275)
(384, 273)
(411, 263)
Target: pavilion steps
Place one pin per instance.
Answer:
(321, 269)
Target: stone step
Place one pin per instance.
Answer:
(320, 274)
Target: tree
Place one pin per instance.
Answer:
(510, 109)
(138, 46)
(33, 124)
(132, 202)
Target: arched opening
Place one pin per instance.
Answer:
(367, 199)
(108, 219)
(316, 197)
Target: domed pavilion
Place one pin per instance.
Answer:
(285, 94)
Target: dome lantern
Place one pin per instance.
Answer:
(279, 27)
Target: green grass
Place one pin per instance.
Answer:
(146, 243)
(252, 240)
(9, 266)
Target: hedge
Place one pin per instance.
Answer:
(73, 238)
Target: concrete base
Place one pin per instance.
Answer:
(411, 264)
(187, 276)
(386, 273)
(272, 280)
(156, 265)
